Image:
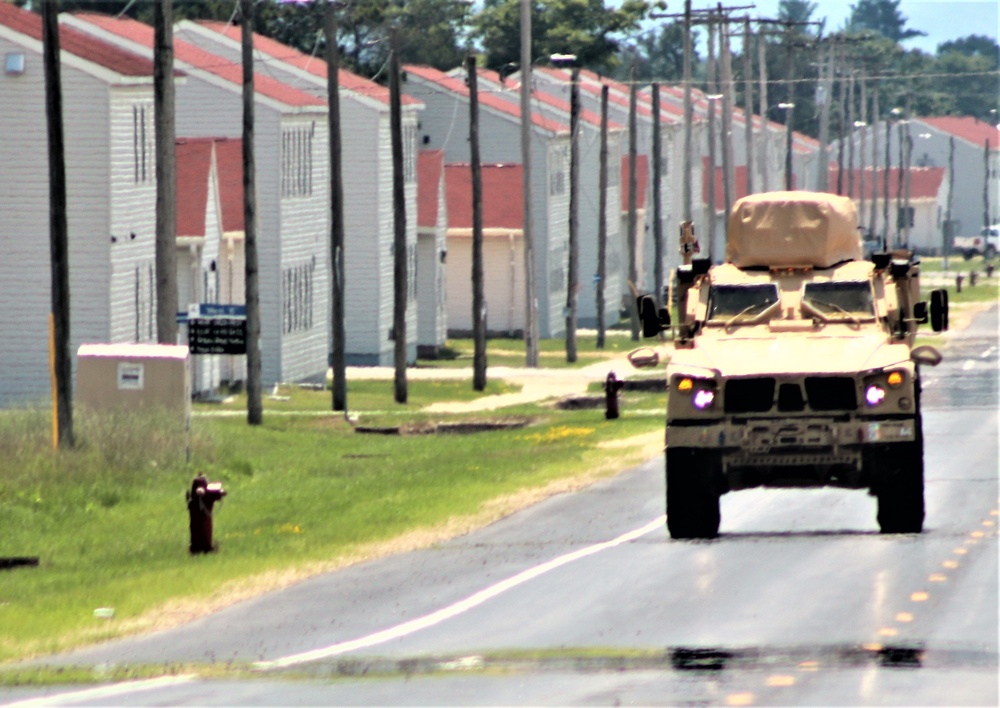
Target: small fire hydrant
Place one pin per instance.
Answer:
(612, 385)
(200, 499)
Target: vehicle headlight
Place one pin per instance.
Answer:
(700, 391)
(874, 395)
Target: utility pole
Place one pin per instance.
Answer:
(61, 361)
(748, 102)
(478, 299)
(844, 133)
(885, 180)
(986, 184)
(713, 95)
(825, 94)
(255, 410)
(657, 206)
(946, 229)
(875, 155)
(688, 113)
(862, 122)
(602, 218)
(530, 301)
(765, 162)
(572, 276)
(166, 172)
(338, 330)
(633, 270)
(399, 278)
(726, 137)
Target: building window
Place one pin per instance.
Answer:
(297, 161)
(297, 296)
(142, 143)
(558, 164)
(409, 154)
(905, 217)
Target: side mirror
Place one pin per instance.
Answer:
(920, 312)
(653, 321)
(939, 310)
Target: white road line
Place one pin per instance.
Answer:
(102, 692)
(969, 365)
(446, 613)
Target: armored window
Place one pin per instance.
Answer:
(726, 301)
(845, 297)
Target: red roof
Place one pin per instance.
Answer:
(489, 100)
(187, 53)
(430, 165)
(194, 159)
(314, 65)
(77, 43)
(967, 128)
(229, 160)
(641, 179)
(550, 100)
(503, 206)
(925, 182)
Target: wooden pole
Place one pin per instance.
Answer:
(726, 136)
(711, 85)
(748, 102)
(166, 173)
(338, 330)
(530, 299)
(255, 411)
(633, 265)
(399, 278)
(765, 138)
(58, 231)
(478, 298)
(688, 115)
(602, 219)
(573, 267)
(657, 198)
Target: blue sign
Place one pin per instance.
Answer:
(214, 309)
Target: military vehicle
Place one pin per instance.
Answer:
(794, 365)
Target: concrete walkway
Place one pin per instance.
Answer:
(537, 384)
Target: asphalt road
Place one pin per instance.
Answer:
(582, 599)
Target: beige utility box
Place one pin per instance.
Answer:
(131, 377)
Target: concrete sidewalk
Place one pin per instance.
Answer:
(537, 384)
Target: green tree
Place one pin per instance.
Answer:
(659, 54)
(882, 16)
(585, 28)
(796, 10)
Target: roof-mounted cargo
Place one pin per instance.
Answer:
(793, 229)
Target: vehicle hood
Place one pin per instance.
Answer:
(814, 353)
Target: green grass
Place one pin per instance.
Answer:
(108, 520)
(551, 352)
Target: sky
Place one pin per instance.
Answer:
(942, 20)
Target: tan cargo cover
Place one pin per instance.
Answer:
(793, 229)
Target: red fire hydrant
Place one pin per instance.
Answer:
(612, 385)
(200, 499)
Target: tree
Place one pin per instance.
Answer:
(796, 10)
(882, 16)
(585, 28)
(659, 54)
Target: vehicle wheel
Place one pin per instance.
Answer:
(692, 496)
(901, 490)
(990, 253)
(967, 255)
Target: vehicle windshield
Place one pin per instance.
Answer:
(989, 231)
(729, 302)
(833, 300)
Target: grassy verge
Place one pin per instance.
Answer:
(306, 494)
(551, 352)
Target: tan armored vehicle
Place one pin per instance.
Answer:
(794, 365)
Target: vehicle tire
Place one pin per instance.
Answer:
(990, 253)
(692, 496)
(967, 255)
(900, 491)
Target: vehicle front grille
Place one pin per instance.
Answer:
(811, 394)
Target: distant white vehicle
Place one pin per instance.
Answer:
(985, 244)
